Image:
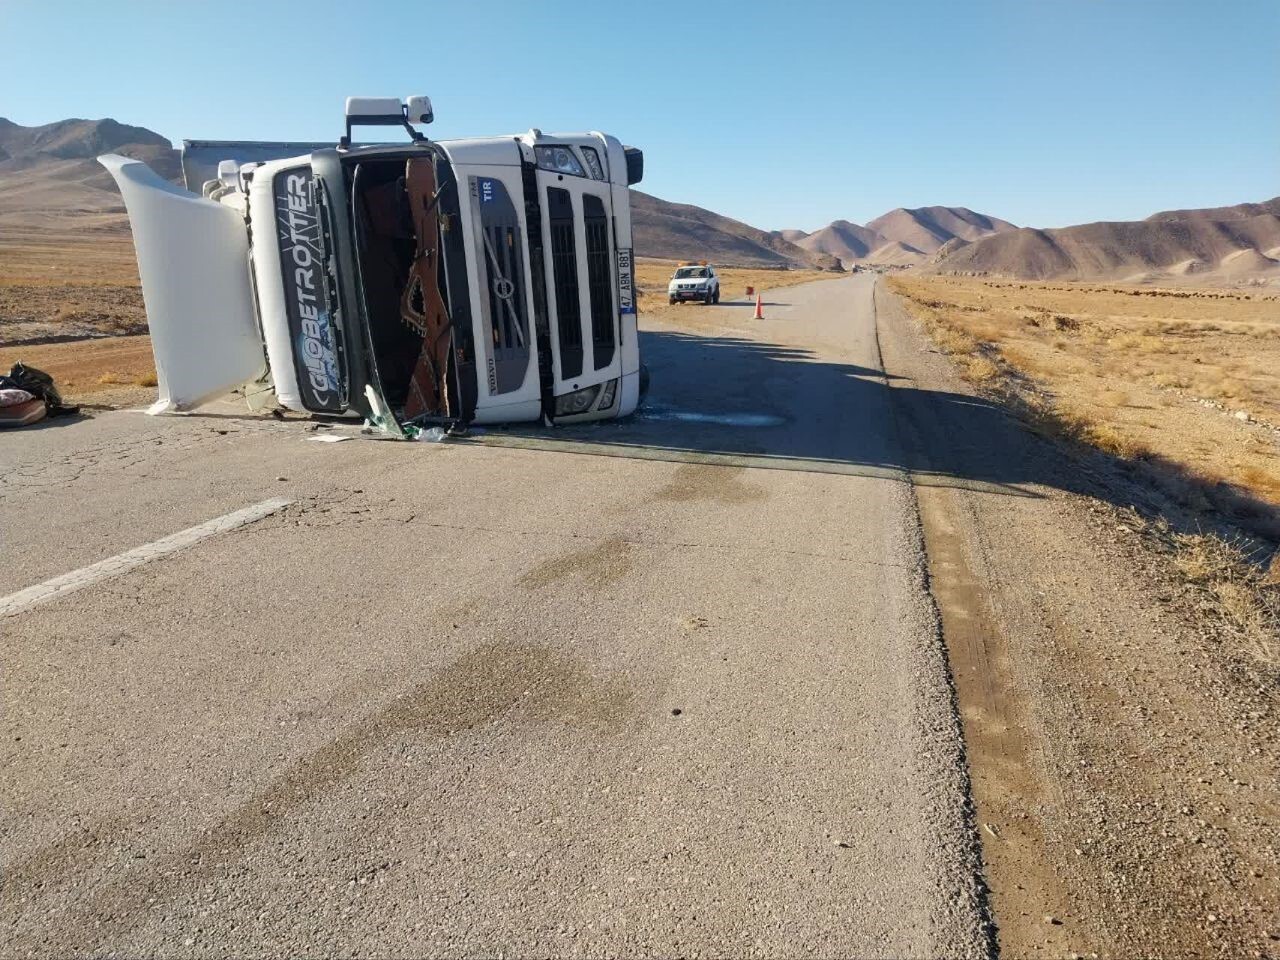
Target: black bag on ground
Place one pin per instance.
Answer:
(38, 384)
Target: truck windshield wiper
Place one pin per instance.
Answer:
(324, 240)
(329, 278)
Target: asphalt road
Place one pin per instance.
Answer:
(668, 686)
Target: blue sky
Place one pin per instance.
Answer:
(1044, 112)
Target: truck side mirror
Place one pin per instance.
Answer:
(418, 109)
(385, 112)
(635, 164)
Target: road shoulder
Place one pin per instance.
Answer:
(1122, 768)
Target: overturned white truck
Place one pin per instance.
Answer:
(430, 282)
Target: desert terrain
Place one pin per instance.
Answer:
(932, 615)
(1181, 380)
(72, 307)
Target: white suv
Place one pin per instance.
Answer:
(694, 281)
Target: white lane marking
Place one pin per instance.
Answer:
(124, 562)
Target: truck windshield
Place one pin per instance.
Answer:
(402, 204)
(684, 273)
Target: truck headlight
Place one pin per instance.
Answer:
(593, 162)
(579, 401)
(607, 394)
(558, 159)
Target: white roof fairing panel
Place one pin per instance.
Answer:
(489, 151)
(193, 258)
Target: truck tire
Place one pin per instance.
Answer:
(717, 296)
(707, 298)
(671, 300)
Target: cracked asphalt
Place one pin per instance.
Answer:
(668, 686)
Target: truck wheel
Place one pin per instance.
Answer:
(717, 296)
(671, 299)
(707, 298)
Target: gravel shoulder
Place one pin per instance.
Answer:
(1123, 752)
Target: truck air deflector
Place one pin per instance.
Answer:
(193, 260)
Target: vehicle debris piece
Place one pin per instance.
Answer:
(428, 283)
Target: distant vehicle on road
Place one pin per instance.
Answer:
(432, 282)
(694, 281)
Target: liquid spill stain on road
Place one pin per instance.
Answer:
(693, 482)
(602, 563)
(718, 419)
(519, 683)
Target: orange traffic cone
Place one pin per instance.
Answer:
(759, 308)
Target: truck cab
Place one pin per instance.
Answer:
(429, 282)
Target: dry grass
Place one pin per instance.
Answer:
(75, 285)
(1142, 374)
(114, 379)
(980, 369)
(1228, 584)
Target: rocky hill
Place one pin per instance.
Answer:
(681, 231)
(1241, 211)
(901, 237)
(50, 181)
(1219, 244)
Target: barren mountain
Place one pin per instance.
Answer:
(950, 247)
(791, 236)
(895, 253)
(928, 228)
(51, 185)
(902, 237)
(50, 181)
(681, 231)
(844, 239)
(1136, 251)
(1241, 211)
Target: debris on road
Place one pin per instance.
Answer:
(19, 408)
(28, 395)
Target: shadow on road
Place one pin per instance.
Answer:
(738, 401)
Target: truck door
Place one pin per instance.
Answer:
(582, 296)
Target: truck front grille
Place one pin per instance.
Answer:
(564, 270)
(599, 283)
